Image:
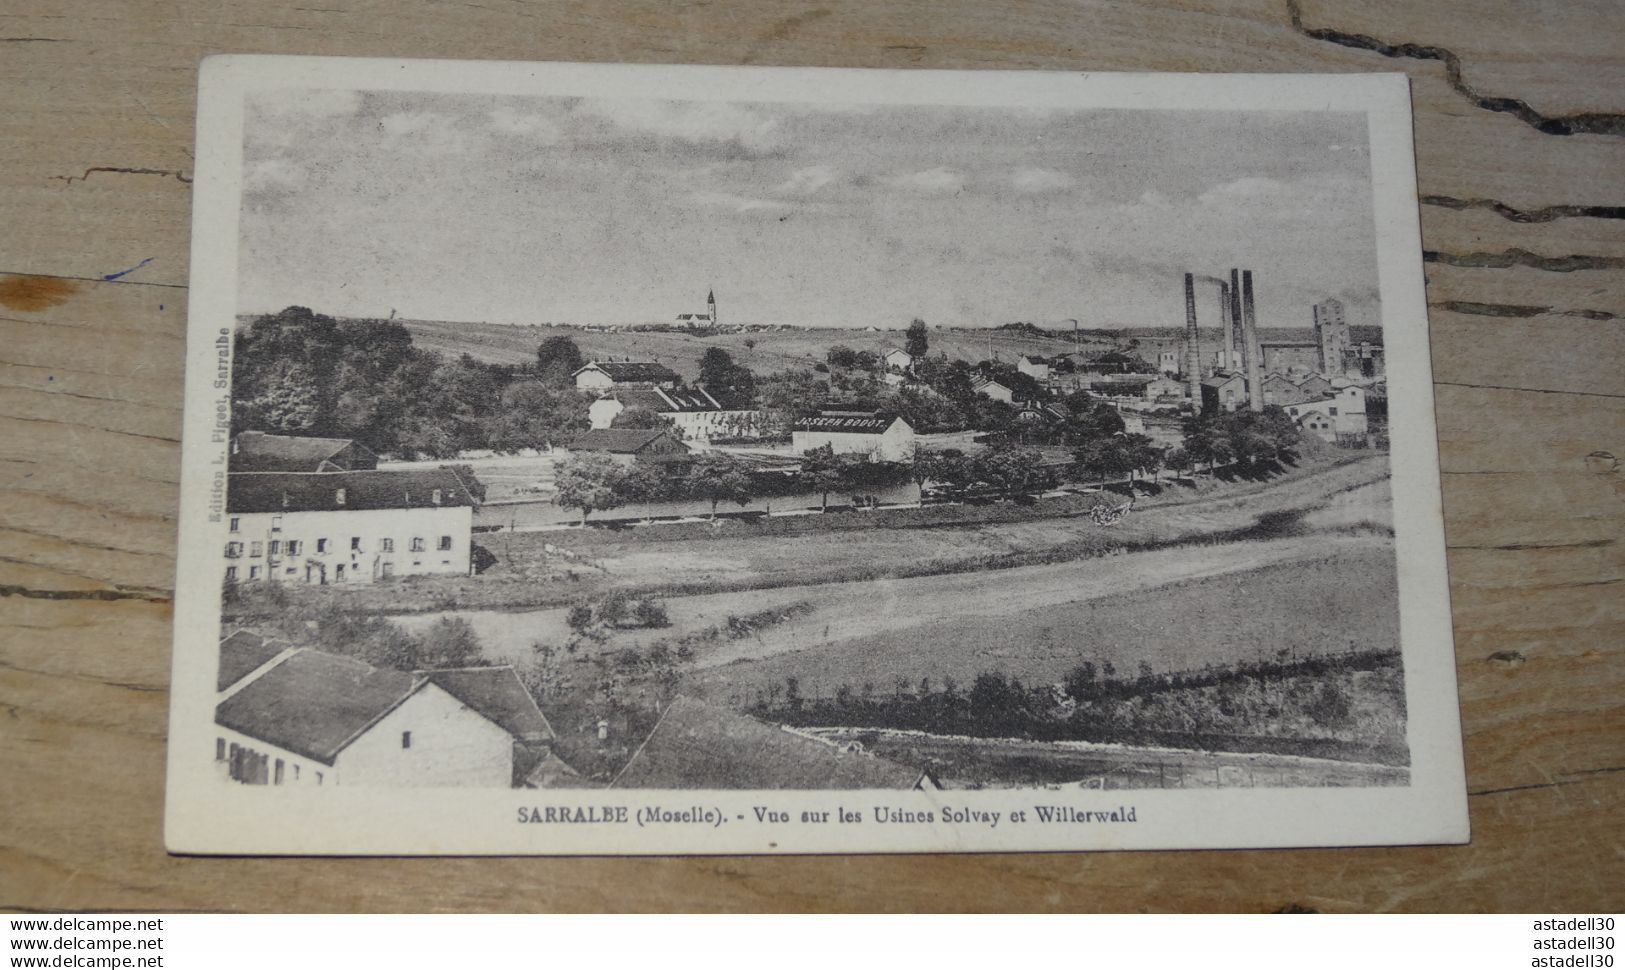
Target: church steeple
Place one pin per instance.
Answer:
(711, 305)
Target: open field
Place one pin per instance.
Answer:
(1014, 762)
(770, 351)
(1172, 610)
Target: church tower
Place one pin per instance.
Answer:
(711, 306)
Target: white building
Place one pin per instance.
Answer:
(1035, 367)
(1345, 406)
(314, 718)
(692, 411)
(898, 360)
(883, 437)
(987, 387)
(347, 527)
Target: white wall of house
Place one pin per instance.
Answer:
(449, 745)
(997, 392)
(593, 379)
(1346, 408)
(602, 412)
(895, 444)
(342, 546)
(705, 425)
(296, 769)
(1037, 370)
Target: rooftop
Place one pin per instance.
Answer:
(256, 451)
(359, 490)
(314, 703)
(242, 653)
(848, 422)
(632, 372)
(496, 693)
(697, 746)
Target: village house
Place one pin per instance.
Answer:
(881, 436)
(628, 445)
(1223, 392)
(347, 526)
(314, 718)
(694, 412)
(1165, 432)
(256, 451)
(1282, 390)
(990, 388)
(1345, 407)
(697, 746)
(1168, 362)
(896, 360)
(603, 375)
(1162, 386)
(1035, 367)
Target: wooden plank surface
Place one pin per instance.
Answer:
(1521, 155)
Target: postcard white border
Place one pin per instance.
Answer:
(205, 816)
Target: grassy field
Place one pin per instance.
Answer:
(767, 352)
(1346, 598)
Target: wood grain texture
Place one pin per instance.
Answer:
(1521, 155)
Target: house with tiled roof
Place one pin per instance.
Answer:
(880, 435)
(315, 718)
(695, 745)
(628, 445)
(340, 527)
(696, 413)
(257, 451)
(602, 375)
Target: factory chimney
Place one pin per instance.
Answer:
(1193, 352)
(1253, 366)
(1229, 342)
(1238, 338)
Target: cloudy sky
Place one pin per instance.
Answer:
(528, 210)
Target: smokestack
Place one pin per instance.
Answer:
(1238, 338)
(1229, 329)
(1193, 352)
(1254, 368)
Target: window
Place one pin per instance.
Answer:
(1332, 412)
(338, 496)
(276, 523)
(294, 546)
(231, 574)
(277, 778)
(435, 496)
(406, 739)
(234, 550)
(388, 570)
(253, 572)
(355, 543)
(318, 778)
(338, 571)
(386, 545)
(219, 749)
(276, 547)
(321, 545)
(236, 524)
(445, 543)
(256, 549)
(417, 543)
(295, 772)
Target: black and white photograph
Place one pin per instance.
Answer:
(962, 459)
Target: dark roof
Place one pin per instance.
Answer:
(314, 703)
(496, 693)
(848, 422)
(1220, 380)
(632, 372)
(1035, 359)
(696, 746)
(305, 492)
(242, 653)
(620, 441)
(667, 400)
(256, 451)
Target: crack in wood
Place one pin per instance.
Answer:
(104, 595)
(1508, 258)
(1582, 123)
(1518, 310)
(118, 170)
(1549, 213)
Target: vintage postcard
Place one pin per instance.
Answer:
(623, 459)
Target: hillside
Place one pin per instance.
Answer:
(772, 351)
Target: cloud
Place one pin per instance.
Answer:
(738, 203)
(1036, 180)
(806, 181)
(932, 181)
(696, 122)
(511, 121)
